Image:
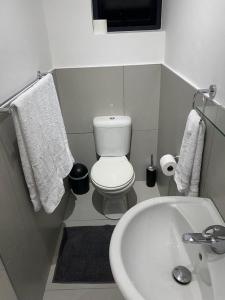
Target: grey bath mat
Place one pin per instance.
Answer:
(84, 255)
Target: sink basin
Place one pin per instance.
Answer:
(147, 245)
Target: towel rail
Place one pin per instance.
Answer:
(208, 94)
(5, 106)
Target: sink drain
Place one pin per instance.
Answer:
(182, 275)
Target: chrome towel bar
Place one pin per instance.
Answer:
(208, 94)
(5, 106)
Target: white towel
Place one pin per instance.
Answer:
(43, 145)
(187, 174)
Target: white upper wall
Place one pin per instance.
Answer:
(23, 45)
(73, 43)
(195, 41)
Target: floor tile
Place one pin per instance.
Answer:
(81, 207)
(84, 294)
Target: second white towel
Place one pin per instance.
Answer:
(187, 174)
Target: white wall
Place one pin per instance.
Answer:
(73, 43)
(23, 44)
(195, 41)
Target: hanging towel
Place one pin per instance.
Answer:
(43, 145)
(187, 174)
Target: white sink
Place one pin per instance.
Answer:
(147, 245)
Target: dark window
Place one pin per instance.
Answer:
(123, 15)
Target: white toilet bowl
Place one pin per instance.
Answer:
(113, 177)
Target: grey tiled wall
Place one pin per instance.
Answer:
(213, 176)
(6, 289)
(175, 105)
(27, 239)
(130, 90)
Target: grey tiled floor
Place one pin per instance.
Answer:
(82, 213)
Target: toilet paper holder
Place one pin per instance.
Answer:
(177, 157)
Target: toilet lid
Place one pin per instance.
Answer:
(112, 172)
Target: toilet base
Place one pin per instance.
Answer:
(113, 217)
(114, 208)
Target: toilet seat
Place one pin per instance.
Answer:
(116, 189)
(112, 173)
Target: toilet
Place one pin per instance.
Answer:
(113, 175)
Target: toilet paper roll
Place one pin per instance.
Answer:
(168, 165)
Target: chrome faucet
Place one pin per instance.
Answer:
(213, 236)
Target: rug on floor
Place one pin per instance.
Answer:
(84, 255)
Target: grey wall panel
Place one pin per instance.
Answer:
(209, 137)
(83, 148)
(175, 104)
(144, 143)
(213, 177)
(89, 92)
(27, 240)
(133, 90)
(6, 290)
(141, 95)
